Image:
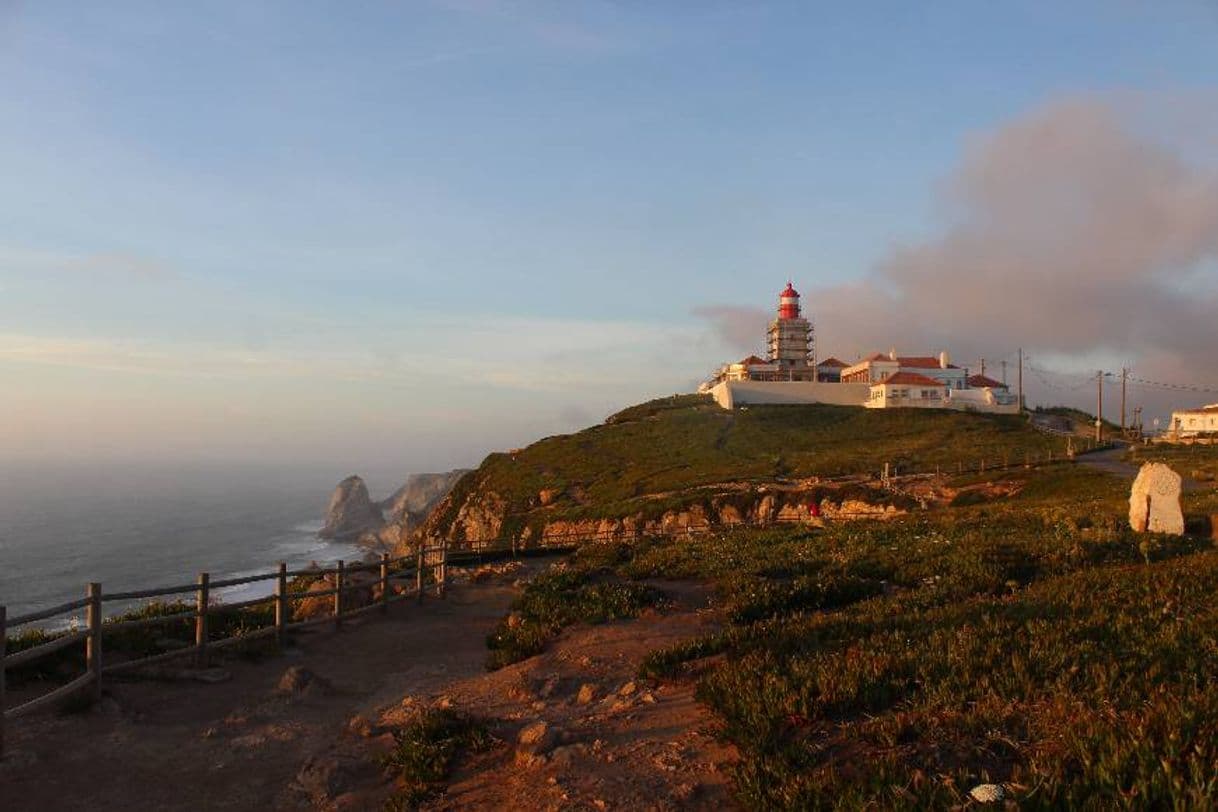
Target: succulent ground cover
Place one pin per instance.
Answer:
(1033, 643)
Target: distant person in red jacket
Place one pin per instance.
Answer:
(814, 509)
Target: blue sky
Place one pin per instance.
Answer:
(422, 230)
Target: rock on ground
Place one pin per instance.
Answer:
(1154, 500)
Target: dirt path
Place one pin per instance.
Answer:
(244, 745)
(239, 745)
(616, 742)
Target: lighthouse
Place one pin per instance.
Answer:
(790, 339)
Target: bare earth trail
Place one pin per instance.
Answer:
(243, 745)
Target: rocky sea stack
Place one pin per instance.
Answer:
(351, 511)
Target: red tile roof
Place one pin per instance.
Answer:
(753, 360)
(922, 362)
(1213, 407)
(984, 381)
(911, 361)
(912, 379)
(832, 362)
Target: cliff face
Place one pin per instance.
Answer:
(407, 509)
(351, 511)
(388, 525)
(420, 494)
(477, 514)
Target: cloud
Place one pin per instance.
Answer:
(738, 327)
(1072, 231)
(522, 355)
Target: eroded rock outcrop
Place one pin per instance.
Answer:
(415, 499)
(351, 511)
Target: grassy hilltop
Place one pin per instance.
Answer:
(1034, 643)
(674, 444)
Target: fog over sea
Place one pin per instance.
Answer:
(141, 526)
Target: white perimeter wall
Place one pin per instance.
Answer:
(733, 394)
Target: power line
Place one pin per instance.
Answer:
(1175, 387)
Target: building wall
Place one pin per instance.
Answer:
(1191, 423)
(982, 400)
(733, 394)
(907, 396)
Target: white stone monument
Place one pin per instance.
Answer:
(1154, 501)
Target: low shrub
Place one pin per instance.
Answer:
(427, 747)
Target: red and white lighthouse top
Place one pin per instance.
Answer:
(788, 303)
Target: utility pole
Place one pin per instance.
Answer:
(1099, 406)
(1004, 372)
(1124, 378)
(1021, 380)
(983, 367)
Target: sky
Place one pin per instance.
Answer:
(405, 234)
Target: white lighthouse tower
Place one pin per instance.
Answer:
(790, 340)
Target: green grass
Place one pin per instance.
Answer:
(647, 458)
(1034, 642)
(427, 746)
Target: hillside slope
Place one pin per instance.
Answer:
(662, 459)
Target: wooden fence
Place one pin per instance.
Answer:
(410, 568)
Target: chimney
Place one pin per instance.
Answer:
(945, 360)
(892, 354)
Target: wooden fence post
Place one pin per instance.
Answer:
(3, 648)
(281, 602)
(93, 643)
(202, 598)
(418, 575)
(442, 570)
(338, 595)
(384, 582)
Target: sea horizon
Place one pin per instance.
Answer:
(141, 525)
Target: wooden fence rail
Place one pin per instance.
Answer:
(204, 608)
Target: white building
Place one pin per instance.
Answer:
(876, 368)
(908, 390)
(1195, 422)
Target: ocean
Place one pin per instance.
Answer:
(140, 526)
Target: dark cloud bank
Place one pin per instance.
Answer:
(1072, 234)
